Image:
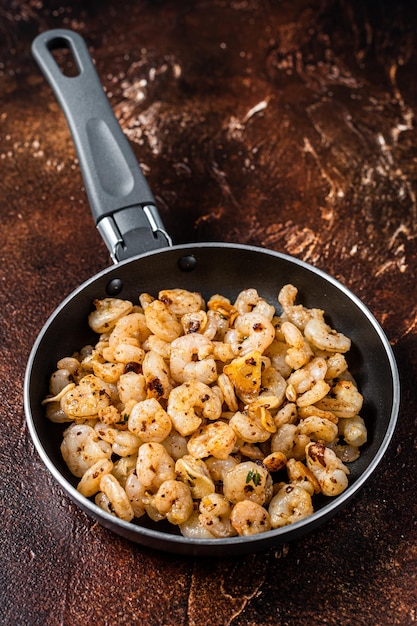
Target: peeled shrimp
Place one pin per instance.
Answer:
(154, 465)
(157, 376)
(149, 421)
(131, 386)
(344, 400)
(248, 481)
(252, 331)
(249, 300)
(324, 337)
(215, 511)
(181, 301)
(249, 518)
(161, 321)
(354, 431)
(107, 312)
(297, 314)
(291, 504)
(190, 400)
(299, 351)
(89, 484)
(81, 448)
(328, 469)
(116, 499)
(85, 400)
(136, 494)
(191, 359)
(172, 501)
(214, 439)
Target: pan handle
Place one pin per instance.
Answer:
(121, 202)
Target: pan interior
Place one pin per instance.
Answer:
(223, 269)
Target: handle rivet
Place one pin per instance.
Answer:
(187, 263)
(114, 287)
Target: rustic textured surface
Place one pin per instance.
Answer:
(287, 124)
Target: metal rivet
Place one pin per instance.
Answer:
(187, 263)
(114, 287)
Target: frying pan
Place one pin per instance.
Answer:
(146, 261)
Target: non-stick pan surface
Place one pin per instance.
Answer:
(226, 269)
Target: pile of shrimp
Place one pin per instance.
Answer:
(223, 418)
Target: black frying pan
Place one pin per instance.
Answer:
(146, 261)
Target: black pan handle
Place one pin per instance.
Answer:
(121, 202)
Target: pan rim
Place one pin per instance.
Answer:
(285, 533)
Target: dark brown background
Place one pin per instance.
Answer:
(326, 171)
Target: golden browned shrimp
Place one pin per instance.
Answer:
(149, 421)
(192, 359)
(215, 511)
(291, 504)
(249, 518)
(190, 400)
(329, 470)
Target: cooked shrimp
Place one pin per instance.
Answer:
(217, 324)
(214, 439)
(353, 430)
(81, 448)
(162, 322)
(107, 312)
(336, 365)
(131, 386)
(195, 322)
(157, 376)
(123, 442)
(248, 481)
(297, 314)
(301, 476)
(181, 301)
(131, 326)
(344, 400)
(328, 469)
(249, 300)
(249, 518)
(194, 473)
(136, 494)
(215, 511)
(252, 331)
(126, 351)
(191, 359)
(154, 465)
(149, 421)
(277, 352)
(158, 345)
(85, 400)
(291, 504)
(317, 392)
(318, 429)
(249, 427)
(190, 400)
(89, 484)
(123, 467)
(324, 337)
(289, 441)
(175, 444)
(299, 351)
(219, 467)
(173, 501)
(193, 529)
(59, 381)
(118, 502)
